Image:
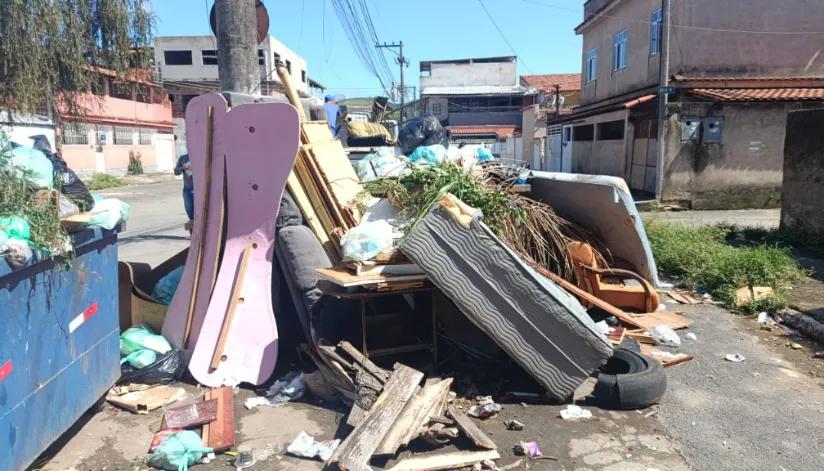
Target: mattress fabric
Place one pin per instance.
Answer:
(538, 323)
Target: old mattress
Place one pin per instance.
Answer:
(535, 321)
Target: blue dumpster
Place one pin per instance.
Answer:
(59, 344)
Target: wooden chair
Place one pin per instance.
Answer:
(592, 276)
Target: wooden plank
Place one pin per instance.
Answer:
(640, 337)
(342, 277)
(313, 194)
(671, 319)
(453, 460)
(205, 434)
(434, 394)
(379, 373)
(581, 294)
(333, 355)
(465, 425)
(356, 451)
(340, 177)
(339, 380)
(666, 361)
(190, 415)
(405, 421)
(322, 187)
(313, 132)
(312, 217)
(233, 301)
(222, 430)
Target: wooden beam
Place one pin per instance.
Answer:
(356, 451)
(436, 394)
(465, 425)
(221, 434)
(379, 373)
(454, 460)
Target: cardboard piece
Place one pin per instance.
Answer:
(143, 402)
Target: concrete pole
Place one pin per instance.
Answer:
(666, 16)
(237, 59)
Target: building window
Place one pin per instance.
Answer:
(261, 57)
(186, 100)
(619, 51)
(209, 57)
(76, 134)
(124, 136)
(289, 65)
(585, 132)
(592, 65)
(177, 57)
(303, 76)
(120, 90)
(436, 109)
(655, 32)
(146, 135)
(610, 131)
(142, 93)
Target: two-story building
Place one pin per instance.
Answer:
(187, 68)
(479, 100)
(736, 70)
(558, 94)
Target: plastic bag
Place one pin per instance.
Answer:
(15, 228)
(429, 155)
(306, 447)
(28, 165)
(165, 289)
(664, 335)
(17, 252)
(67, 208)
(482, 153)
(168, 369)
(70, 184)
(111, 212)
(179, 451)
(97, 198)
(366, 241)
(424, 130)
(141, 337)
(140, 359)
(380, 164)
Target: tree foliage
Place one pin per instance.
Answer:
(52, 47)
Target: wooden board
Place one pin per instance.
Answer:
(220, 434)
(453, 460)
(379, 373)
(671, 319)
(318, 194)
(174, 325)
(342, 277)
(315, 177)
(313, 132)
(143, 402)
(640, 337)
(262, 140)
(356, 451)
(465, 425)
(414, 415)
(190, 415)
(667, 362)
(340, 178)
(312, 217)
(436, 395)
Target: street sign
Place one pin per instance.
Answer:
(666, 90)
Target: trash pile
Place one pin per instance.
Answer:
(42, 201)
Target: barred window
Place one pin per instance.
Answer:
(76, 134)
(124, 136)
(146, 136)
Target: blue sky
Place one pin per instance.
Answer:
(542, 37)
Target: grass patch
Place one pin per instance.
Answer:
(102, 181)
(798, 241)
(704, 259)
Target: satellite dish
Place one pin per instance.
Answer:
(262, 20)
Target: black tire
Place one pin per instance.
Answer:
(640, 388)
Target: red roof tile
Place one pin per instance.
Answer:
(546, 83)
(501, 132)
(760, 94)
(681, 78)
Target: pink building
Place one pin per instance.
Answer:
(122, 116)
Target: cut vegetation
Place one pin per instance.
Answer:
(102, 181)
(715, 260)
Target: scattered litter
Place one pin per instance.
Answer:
(485, 411)
(818, 355)
(795, 346)
(514, 425)
(245, 457)
(691, 336)
(291, 388)
(650, 414)
(575, 412)
(178, 452)
(763, 318)
(735, 358)
(208, 458)
(484, 400)
(661, 307)
(143, 402)
(306, 447)
(603, 327)
(488, 464)
(141, 337)
(659, 353)
(665, 336)
(161, 437)
(528, 449)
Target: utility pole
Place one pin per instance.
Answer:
(557, 101)
(237, 46)
(403, 62)
(663, 98)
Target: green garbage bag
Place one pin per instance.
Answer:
(28, 165)
(15, 228)
(141, 337)
(178, 452)
(140, 359)
(110, 213)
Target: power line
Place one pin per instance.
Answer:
(697, 28)
(302, 10)
(502, 34)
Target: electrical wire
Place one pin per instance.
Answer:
(503, 36)
(698, 28)
(302, 11)
(357, 24)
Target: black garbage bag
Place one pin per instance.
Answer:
(65, 179)
(168, 369)
(424, 130)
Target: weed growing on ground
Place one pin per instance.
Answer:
(703, 258)
(102, 181)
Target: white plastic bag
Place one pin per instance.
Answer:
(367, 241)
(110, 213)
(428, 155)
(17, 252)
(306, 447)
(380, 164)
(665, 336)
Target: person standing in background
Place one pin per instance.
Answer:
(332, 113)
(184, 167)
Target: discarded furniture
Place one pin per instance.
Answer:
(592, 277)
(61, 343)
